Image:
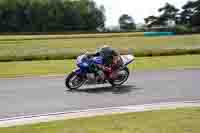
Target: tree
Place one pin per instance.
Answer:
(151, 20)
(126, 22)
(190, 14)
(168, 12)
(187, 13)
(95, 17)
(50, 15)
(195, 21)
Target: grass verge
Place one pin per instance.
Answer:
(35, 68)
(62, 48)
(166, 121)
(69, 36)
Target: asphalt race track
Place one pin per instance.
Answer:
(31, 96)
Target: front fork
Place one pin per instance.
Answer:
(79, 73)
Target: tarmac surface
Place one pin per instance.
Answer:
(43, 95)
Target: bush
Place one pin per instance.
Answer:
(183, 29)
(196, 29)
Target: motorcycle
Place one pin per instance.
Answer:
(82, 75)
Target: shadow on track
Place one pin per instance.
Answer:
(115, 90)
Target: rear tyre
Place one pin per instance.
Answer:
(73, 81)
(122, 77)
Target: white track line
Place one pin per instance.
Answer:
(33, 119)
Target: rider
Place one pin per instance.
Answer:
(110, 60)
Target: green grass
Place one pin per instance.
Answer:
(26, 68)
(166, 121)
(15, 48)
(68, 36)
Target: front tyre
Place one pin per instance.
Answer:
(73, 81)
(121, 77)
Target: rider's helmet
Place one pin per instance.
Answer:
(107, 50)
(107, 53)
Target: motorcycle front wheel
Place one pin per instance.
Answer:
(122, 76)
(73, 81)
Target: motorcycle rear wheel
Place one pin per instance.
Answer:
(122, 78)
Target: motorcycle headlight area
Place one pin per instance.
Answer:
(81, 63)
(79, 59)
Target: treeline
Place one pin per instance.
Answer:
(190, 13)
(187, 19)
(50, 15)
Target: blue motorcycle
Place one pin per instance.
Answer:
(82, 75)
